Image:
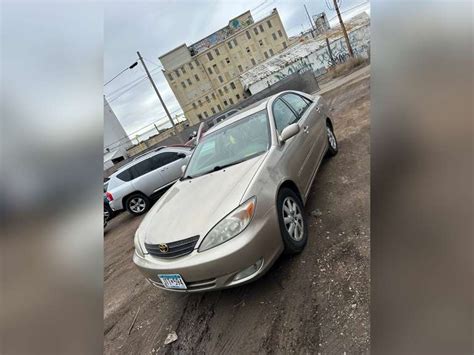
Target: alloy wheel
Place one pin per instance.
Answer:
(293, 219)
(137, 204)
(331, 138)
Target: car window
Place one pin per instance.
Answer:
(125, 175)
(298, 104)
(141, 168)
(163, 159)
(283, 115)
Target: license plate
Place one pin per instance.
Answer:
(173, 281)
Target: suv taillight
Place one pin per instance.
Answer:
(109, 196)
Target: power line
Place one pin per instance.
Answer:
(130, 67)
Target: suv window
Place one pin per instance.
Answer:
(297, 103)
(125, 175)
(164, 158)
(283, 115)
(141, 168)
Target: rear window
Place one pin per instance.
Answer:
(125, 175)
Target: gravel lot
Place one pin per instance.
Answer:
(316, 302)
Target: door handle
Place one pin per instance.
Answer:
(318, 109)
(306, 129)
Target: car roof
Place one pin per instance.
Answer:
(255, 107)
(144, 156)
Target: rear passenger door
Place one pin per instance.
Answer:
(146, 176)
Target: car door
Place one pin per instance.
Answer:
(147, 175)
(294, 151)
(310, 118)
(171, 163)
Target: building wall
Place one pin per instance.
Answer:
(115, 136)
(209, 83)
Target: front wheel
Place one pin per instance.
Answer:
(293, 227)
(137, 204)
(332, 141)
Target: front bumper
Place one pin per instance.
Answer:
(216, 268)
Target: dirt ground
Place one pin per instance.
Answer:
(316, 302)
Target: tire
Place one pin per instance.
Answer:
(290, 210)
(332, 141)
(137, 204)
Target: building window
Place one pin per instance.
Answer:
(269, 23)
(209, 70)
(260, 42)
(220, 92)
(274, 36)
(205, 114)
(255, 30)
(225, 89)
(284, 44)
(219, 107)
(261, 28)
(220, 79)
(271, 52)
(240, 68)
(184, 70)
(183, 85)
(253, 61)
(200, 116)
(237, 96)
(200, 103)
(227, 60)
(177, 73)
(191, 66)
(216, 51)
(229, 44)
(232, 85)
(194, 105)
(213, 96)
(170, 77)
(207, 99)
(209, 56)
(248, 34)
(213, 110)
(265, 54)
(196, 77)
(225, 103)
(279, 33)
(216, 69)
(189, 82)
(231, 101)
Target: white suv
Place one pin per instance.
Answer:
(134, 185)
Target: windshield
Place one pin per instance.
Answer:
(231, 144)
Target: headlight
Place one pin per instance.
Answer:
(230, 226)
(138, 247)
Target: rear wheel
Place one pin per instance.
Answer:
(137, 204)
(294, 230)
(332, 141)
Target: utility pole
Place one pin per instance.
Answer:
(311, 22)
(349, 47)
(159, 96)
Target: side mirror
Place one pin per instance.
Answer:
(289, 131)
(181, 155)
(183, 169)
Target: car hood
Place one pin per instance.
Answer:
(192, 207)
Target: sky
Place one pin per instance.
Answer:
(154, 28)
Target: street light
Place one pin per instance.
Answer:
(130, 67)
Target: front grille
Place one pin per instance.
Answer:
(173, 249)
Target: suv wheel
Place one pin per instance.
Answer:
(137, 204)
(294, 230)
